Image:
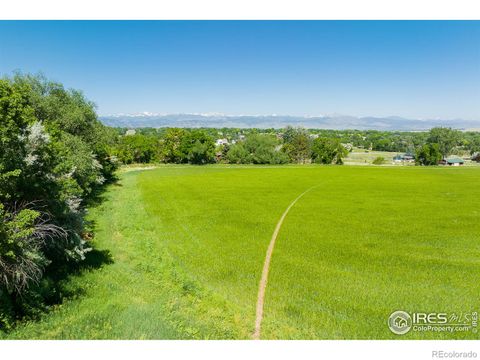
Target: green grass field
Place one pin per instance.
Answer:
(188, 245)
(366, 157)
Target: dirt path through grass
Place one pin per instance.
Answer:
(266, 267)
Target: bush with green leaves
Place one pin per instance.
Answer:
(138, 148)
(197, 147)
(428, 154)
(23, 233)
(237, 154)
(171, 145)
(257, 149)
(379, 160)
(328, 151)
(446, 139)
(297, 144)
(54, 156)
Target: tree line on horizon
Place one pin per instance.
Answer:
(283, 146)
(198, 147)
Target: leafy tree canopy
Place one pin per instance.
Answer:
(328, 151)
(428, 154)
(446, 139)
(54, 154)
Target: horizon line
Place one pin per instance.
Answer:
(305, 116)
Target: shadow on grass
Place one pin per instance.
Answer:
(95, 259)
(97, 196)
(59, 285)
(62, 279)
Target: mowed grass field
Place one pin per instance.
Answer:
(366, 157)
(188, 246)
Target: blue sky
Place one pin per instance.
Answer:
(425, 69)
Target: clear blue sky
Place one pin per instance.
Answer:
(424, 69)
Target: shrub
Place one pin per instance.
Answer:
(237, 154)
(328, 151)
(138, 148)
(378, 160)
(197, 147)
(54, 155)
(297, 144)
(428, 154)
(257, 149)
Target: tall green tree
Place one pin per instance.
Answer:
(16, 115)
(237, 154)
(446, 138)
(264, 149)
(328, 151)
(138, 148)
(428, 154)
(198, 148)
(52, 155)
(257, 149)
(297, 144)
(172, 151)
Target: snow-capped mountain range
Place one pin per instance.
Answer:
(337, 122)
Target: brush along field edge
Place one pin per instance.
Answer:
(266, 267)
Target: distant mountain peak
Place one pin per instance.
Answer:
(333, 121)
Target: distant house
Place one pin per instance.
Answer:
(452, 162)
(397, 159)
(455, 162)
(347, 146)
(404, 158)
(130, 132)
(219, 142)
